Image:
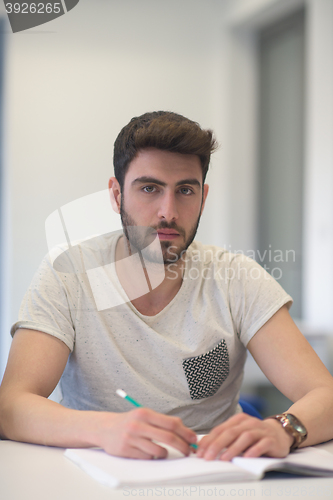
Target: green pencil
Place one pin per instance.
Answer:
(123, 394)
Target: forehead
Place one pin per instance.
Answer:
(164, 165)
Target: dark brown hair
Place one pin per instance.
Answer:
(161, 130)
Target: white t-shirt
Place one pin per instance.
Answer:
(187, 360)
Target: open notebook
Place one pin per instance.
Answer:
(125, 472)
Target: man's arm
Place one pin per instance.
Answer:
(35, 365)
(290, 363)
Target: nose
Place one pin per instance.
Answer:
(168, 207)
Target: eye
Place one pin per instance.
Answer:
(186, 190)
(149, 189)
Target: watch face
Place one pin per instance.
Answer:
(296, 424)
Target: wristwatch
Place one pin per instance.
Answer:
(293, 426)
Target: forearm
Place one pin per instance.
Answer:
(242, 434)
(315, 410)
(35, 419)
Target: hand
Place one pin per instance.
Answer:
(135, 434)
(242, 434)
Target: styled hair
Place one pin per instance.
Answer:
(161, 130)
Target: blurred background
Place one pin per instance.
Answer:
(258, 72)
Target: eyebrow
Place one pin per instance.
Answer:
(147, 179)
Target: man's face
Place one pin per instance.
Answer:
(162, 191)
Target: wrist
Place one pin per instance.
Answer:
(283, 435)
(292, 426)
(89, 428)
(100, 426)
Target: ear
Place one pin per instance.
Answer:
(205, 193)
(115, 194)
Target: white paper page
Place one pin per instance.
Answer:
(306, 459)
(116, 471)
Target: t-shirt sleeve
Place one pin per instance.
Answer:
(45, 306)
(255, 296)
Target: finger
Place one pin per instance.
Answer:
(248, 427)
(208, 440)
(241, 419)
(170, 428)
(173, 424)
(220, 444)
(204, 444)
(139, 428)
(135, 448)
(137, 454)
(150, 432)
(242, 444)
(268, 447)
(149, 449)
(218, 439)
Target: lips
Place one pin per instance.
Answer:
(168, 231)
(165, 234)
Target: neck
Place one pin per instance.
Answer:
(149, 299)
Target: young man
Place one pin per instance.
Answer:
(179, 346)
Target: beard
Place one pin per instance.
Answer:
(140, 237)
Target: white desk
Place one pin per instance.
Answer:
(31, 472)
